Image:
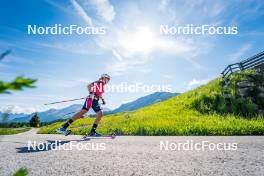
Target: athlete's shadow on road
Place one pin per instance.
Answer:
(42, 147)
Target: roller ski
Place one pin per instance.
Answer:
(95, 135)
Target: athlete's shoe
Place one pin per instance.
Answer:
(95, 134)
(63, 131)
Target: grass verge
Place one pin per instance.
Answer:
(9, 131)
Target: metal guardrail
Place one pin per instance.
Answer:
(250, 63)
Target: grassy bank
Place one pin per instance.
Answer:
(8, 131)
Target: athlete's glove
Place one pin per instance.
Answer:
(91, 95)
(103, 102)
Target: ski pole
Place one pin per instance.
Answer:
(64, 101)
(69, 113)
(5, 54)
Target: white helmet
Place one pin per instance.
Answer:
(105, 76)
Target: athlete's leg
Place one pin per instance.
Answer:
(75, 117)
(97, 108)
(85, 109)
(79, 114)
(99, 116)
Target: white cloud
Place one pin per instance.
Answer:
(139, 42)
(240, 52)
(127, 101)
(82, 12)
(163, 4)
(117, 55)
(19, 109)
(167, 76)
(142, 43)
(119, 67)
(146, 70)
(196, 82)
(77, 48)
(60, 6)
(213, 9)
(104, 9)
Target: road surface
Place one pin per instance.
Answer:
(129, 155)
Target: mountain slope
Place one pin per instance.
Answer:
(175, 116)
(145, 101)
(49, 115)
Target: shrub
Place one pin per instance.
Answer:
(21, 172)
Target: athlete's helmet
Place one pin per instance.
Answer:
(105, 76)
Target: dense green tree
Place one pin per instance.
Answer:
(35, 121)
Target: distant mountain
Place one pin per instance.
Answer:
(57, 114)
(49, 115)
(12, 116)
(145, 101)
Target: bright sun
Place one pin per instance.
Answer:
(142, 40)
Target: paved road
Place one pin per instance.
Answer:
(129, 155)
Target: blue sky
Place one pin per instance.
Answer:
(131, 51)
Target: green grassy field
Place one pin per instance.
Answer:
(8, 131)
(179, 115)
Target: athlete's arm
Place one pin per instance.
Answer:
(90, 90)
(103, 101)
(90, 87)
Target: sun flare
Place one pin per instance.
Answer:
(142, 40)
